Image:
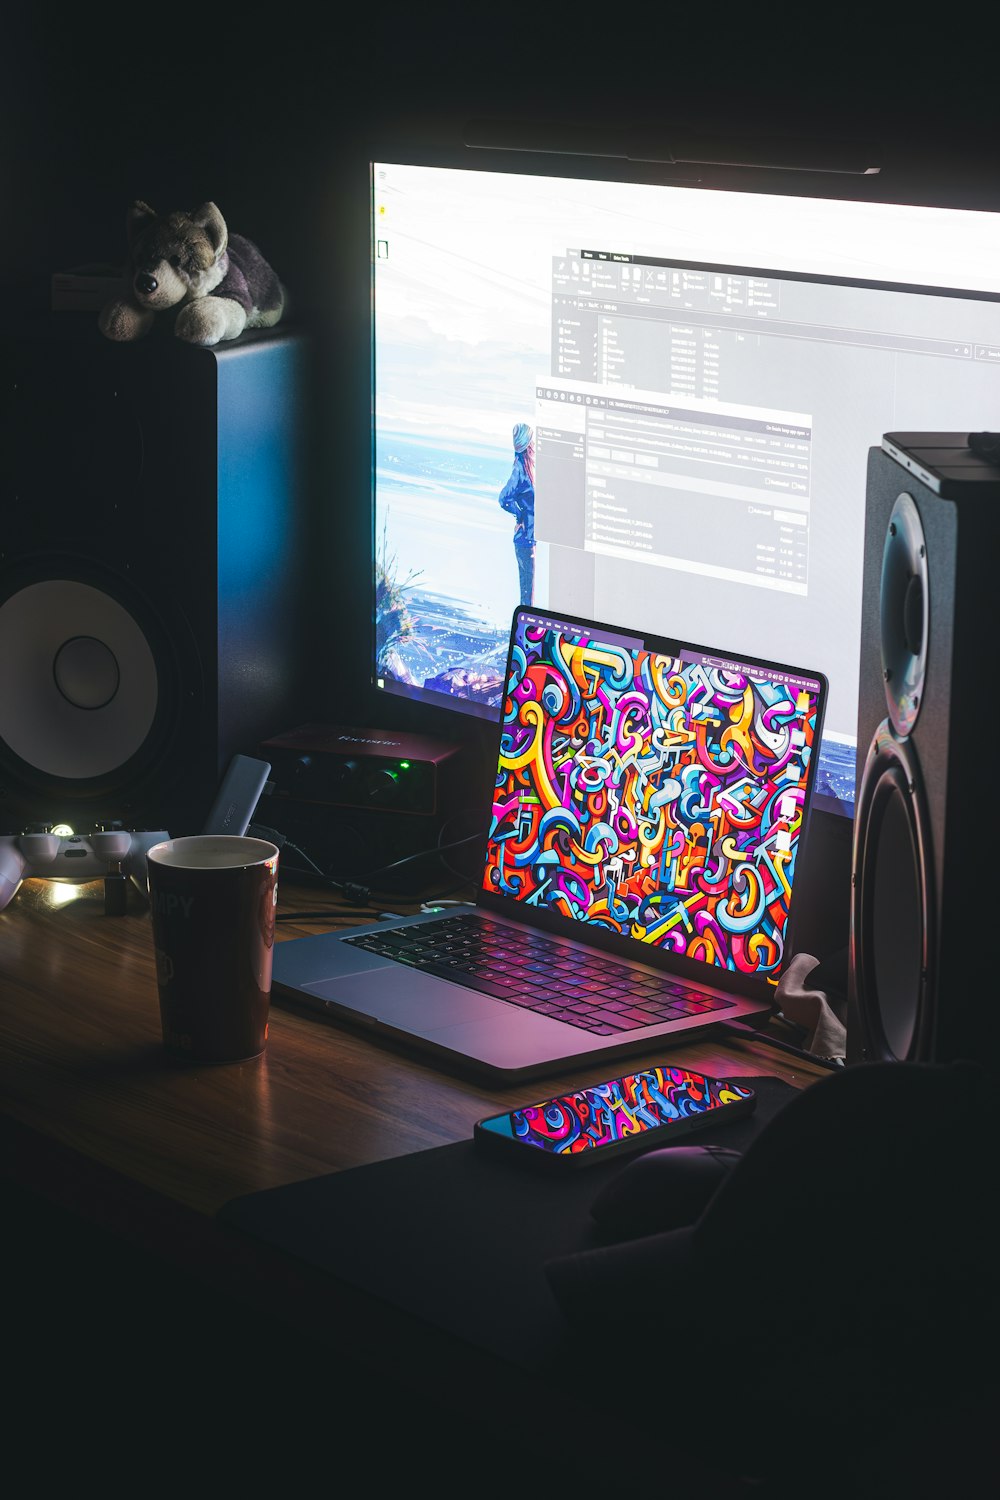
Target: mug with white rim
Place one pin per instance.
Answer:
(212, 902)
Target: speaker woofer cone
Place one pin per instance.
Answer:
(78, 679)
(97, 691)
(891, 927)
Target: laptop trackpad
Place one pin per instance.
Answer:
(402, 997)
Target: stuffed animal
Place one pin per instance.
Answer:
(219, 282)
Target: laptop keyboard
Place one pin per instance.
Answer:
(538, 972)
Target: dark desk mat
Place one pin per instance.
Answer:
(454, 1238)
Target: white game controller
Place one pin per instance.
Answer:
(74, 857)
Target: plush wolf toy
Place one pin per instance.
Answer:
(219, 282)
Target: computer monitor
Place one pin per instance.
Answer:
(650, 403)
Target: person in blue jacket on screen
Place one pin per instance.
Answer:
(518, 497)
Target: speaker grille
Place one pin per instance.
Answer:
(73, 456)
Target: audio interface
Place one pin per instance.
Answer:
(381, 769)
(356, 800)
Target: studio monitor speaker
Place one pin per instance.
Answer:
(152, 501)
(922, 969)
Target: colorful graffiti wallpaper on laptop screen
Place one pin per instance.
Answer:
(652, 796)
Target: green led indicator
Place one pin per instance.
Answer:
(404, 765)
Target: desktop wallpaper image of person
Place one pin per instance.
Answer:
(518, 497)
(447, 578)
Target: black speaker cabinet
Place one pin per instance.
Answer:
(152, 586)
(922, 971)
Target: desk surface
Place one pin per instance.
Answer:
(100, 1124)
(82, 1065)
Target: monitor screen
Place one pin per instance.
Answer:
(651, 404)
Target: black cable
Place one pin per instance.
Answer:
(281, 841)
(353, 890)
(740, 1029)
(449, 891)
(467, 882)
(329, 914)
(424, 853)
(362, 890)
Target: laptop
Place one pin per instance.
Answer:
(642, 833)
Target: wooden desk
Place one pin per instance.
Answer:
(82, 1065)
(135, 1150)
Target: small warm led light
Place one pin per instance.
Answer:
(61, 892)
(63, 830)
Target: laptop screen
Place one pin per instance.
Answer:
(652, 791)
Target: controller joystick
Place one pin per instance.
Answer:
(75, 857)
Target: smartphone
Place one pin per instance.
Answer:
(612, 1119)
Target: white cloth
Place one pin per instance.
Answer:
(821, 1017)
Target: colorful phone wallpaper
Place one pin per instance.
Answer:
(651, 796)
(612, 1111)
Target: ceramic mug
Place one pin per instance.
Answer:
(212, 900)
